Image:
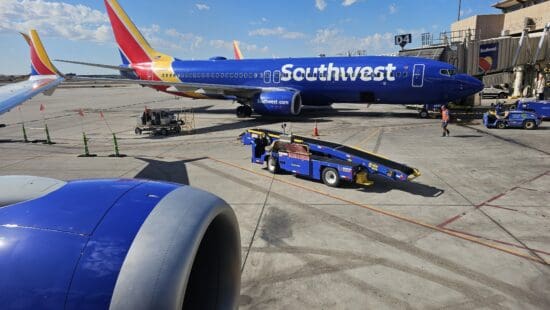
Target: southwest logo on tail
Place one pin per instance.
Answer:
(283, 86)
(40, 62)
(44, 77)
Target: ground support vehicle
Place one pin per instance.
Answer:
(159, 121)
(511, 119)
(540, 107)
(329, 162)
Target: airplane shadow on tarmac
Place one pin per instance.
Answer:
(157, 170)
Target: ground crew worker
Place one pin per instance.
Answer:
(445, 118)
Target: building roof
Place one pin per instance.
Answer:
(507, 4)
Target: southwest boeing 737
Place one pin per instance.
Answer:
(283, 86)
(44, 77)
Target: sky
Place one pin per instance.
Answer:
(200, 29)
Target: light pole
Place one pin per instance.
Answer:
(459, 8)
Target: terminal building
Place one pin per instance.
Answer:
(507, 49)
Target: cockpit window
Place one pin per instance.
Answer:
(447, 72)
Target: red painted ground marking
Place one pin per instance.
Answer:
(454, 218)
(501, 207)
(498, 241)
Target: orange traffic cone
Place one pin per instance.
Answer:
(315, 130)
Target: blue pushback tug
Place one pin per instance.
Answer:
(321, 160)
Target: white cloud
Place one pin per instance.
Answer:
(320, 4)
(348, 2)
(202, 7)
(74, 22)
(324, 36)
(186, 40)
(277, 31)
(246, 47)
(332, 41)
(392, 8)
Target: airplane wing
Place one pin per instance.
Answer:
(44, 77)
(13, 95)
(241, 91)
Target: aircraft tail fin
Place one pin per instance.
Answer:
(133, 46)
(40, 62)
(237, 51)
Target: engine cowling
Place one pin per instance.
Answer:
(117, 244)
(281, 102)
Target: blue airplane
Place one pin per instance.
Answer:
(283, 86)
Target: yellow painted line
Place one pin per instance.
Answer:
(392, 214)
(372, 134)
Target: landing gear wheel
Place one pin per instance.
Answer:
(330, 177)
(177, 130)
(247, 111)
(529, 125)
(423, 113)
(137, 131)
(272, 165)
(240, 112)
(501, 125)
(502, 96)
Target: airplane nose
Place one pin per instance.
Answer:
(470, 84)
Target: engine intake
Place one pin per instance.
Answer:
(281, 102)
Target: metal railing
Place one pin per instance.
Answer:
(449, 37)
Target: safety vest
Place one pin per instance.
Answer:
(445, 115)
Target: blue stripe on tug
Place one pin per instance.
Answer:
(65, 249)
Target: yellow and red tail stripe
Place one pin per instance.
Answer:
(237, 51)
(130, 40)
(41, 64)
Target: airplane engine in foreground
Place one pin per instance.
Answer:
(115, 244)
(280, 102)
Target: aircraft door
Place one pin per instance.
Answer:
(418, 75)
(276, 76)
(267, 76)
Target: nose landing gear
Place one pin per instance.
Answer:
(244, 111)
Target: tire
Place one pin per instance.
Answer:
(330, 177)
(164, 132)
(137, 131)
(177, 130)
(423, 113)
(529, 125)
(501, 125)
(502, 96)
(272, 165)
(240, 112)
(247, 111)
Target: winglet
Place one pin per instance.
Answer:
(40, 62)
(237, 51)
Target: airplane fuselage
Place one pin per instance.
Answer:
(325, 80)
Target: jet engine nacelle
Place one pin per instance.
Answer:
(280, 102)
(117, 244)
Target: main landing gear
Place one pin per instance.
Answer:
(244, 111)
